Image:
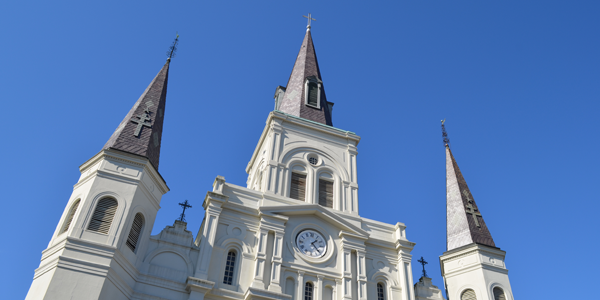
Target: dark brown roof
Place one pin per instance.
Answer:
(149, 109)
(464, 220)
(293, 102)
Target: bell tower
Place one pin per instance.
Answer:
(99, 242)
(473, 266)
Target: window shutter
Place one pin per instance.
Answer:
(136, 230)
(313, 94)
(499, 294)
(468, 295)
(326, 193)
(70, 217)
(298, 187)
(103, 215)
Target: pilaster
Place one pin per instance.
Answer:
(213, 203)
(300, 289)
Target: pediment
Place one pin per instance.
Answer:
(317, 211)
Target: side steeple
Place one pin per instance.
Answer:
(140, 132)
(464, 221)
(304, 94)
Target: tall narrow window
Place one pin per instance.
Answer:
(499, 294)
(325, 193)
(308, 291)
(468, 295)
(136, 230)
(313, 94)
(69, 219)
(298, 188)
(229, 267)
(380, 292)
(103, 215)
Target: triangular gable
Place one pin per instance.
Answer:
(317, 210)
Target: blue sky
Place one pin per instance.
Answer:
(517, 81)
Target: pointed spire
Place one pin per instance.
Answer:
(306, 72)
(464, 221)
(140, 132)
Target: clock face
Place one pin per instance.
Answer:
(311, 243)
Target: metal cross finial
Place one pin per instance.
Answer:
(185, 206)
(423, 262)
(445, 134)
(173, 49)
(309, 19)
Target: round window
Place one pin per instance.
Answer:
(313, 161)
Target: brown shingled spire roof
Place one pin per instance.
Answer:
(464, 221)
(140, 132)
(306, 68)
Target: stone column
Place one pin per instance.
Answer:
(261, 256)
(212, 204)
(300, 294)
(319, 288)
(338, 289)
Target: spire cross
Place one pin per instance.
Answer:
(144, 120)
(472, 210)
(423, 262)
(185, 206)
(309, 19)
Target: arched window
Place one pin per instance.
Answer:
(499, 294)
(380, 291)
(135, 232)
(70, 216)
(103, 215)
(229, 267)
(468, 295)
(308, 291)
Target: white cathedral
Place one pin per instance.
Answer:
(294, 231)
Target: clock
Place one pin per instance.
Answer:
(311, 243)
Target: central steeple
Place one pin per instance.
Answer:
(305, 94)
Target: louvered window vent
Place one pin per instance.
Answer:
(135, 232)
(468, 295)
(499, 294)
(326, 193)
(70, 216)
(103, 215)
(298, 188)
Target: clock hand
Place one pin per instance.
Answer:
(313, 243)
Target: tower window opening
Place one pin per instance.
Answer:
(380, 292)
(229, 267)
(325, 193)
(499, 294)
(468, 295)
(135, 232)
(308, 291)
(298, 187)
(103, 215)
(313, 94)
(69, 219)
